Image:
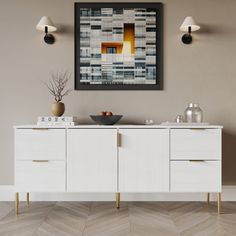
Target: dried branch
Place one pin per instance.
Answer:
(57, 85)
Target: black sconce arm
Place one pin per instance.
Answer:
(48, 38)
(187, 38)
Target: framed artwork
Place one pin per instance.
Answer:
(118, 46)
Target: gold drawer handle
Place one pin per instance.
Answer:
(196, 160)
(197, 129)
(118, 139)
(40, 161)
(40, 129)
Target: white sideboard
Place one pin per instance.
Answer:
(119, 159)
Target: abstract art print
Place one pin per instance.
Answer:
(118, 46)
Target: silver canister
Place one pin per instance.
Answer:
(179, 119)
(193, 113)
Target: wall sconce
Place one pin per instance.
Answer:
(188, 25)
(45, 24)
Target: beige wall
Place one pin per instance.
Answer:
(204, 72)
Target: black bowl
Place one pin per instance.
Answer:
(106, 120)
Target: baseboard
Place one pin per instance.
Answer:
(7, 194)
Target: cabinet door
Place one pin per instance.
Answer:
(144, 160)
(91, 160)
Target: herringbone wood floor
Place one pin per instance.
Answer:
(103, 219)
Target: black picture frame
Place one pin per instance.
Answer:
(159, 47)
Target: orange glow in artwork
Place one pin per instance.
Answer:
(119, 46)
(129, 35)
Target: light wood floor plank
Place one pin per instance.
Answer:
(151, 219)
(65, 219)
(132, 219)
(104, 220)
(27, 222)
(5, 208)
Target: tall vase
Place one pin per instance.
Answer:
(193, 113)
(58, 108)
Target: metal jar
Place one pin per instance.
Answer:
(193, 113)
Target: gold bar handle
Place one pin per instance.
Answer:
(196, 160)
(197, 129)
(40, 129)
(118, 138)
(40, 160)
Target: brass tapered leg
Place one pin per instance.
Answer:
(208, 199)
(28, 200)
(117, 200)
(17, 203)
(218, 202)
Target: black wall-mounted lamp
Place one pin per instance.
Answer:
(45, 24)
(189, 25)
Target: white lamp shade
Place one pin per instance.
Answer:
(46, 21)
(189, 21)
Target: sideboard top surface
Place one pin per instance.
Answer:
(122, 126)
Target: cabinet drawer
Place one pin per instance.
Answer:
(40, 144)
(40, 176)
(195, 176)
(203, 144)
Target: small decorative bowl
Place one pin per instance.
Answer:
(106, 120)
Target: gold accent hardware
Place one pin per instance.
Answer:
(208, 199)
(196, 160)
(118, 136)
(28, 199)
(40, 160)
(40, 129)
(218, 202)
(197, 129)
(117, 200)
(17, 203)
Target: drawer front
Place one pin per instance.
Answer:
(203, 144)
(40, 144)
(40, 176)
(192, 176)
